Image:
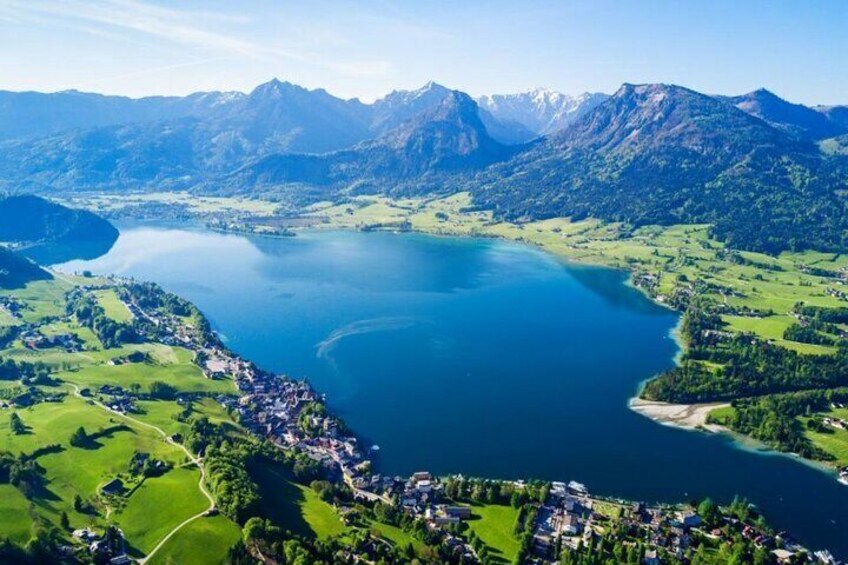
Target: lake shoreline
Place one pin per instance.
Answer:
(688, 417)
(684, 416)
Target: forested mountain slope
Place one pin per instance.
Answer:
(664, 154)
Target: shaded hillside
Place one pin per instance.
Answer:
(16, 271)
(51, 233)
(28, 218)
(665, 154)
(836, 114)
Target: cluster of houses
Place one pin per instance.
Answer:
(571, 517)
(11, 306)
(117, 399)
(106, 548)
(836, 293)
(33, 339)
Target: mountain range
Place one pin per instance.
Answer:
(645, 154)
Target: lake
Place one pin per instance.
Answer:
(471, 356)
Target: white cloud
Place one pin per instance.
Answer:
(190, 28)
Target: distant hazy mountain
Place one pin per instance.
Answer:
(665, 154)
(446, 139)
(540, 111)
(86, 141)
(795, 119)
(35, 114)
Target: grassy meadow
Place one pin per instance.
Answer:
(150, 508)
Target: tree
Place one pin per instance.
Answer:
(17, 425)
(79, 438)
(162, 391)
(254, 529)
(709, 512)
(64, 521)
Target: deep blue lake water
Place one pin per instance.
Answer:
(471, 356)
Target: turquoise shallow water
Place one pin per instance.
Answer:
(473, 356)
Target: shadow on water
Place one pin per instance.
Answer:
(53, 253)
(607, 284)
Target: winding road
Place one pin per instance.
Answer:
(196, 460)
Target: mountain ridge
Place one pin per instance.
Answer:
(666, 154)
(649, 153)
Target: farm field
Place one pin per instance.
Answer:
(171, 498)
(397, 536)
(113, 306)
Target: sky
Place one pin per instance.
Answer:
(367, 48)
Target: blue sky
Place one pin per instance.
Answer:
(366, 48)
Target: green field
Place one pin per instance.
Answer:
(159, 505)
(395, 535)
(494, 525)
(203, 541)
(185, 376)
(163, 414)
(43, 299)
(15, 521)
(106, 203)
(295, 507)
(112, 305)
(71, 471)
(149, 509)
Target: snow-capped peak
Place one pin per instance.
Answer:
(541, 110)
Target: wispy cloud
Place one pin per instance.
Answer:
(184, 27)
(158, 69)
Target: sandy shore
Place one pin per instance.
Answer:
(689, 416)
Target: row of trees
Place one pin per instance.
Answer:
(488, 491)
(11, 370)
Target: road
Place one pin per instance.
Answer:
(196, 460)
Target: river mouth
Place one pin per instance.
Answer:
(480, 357)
